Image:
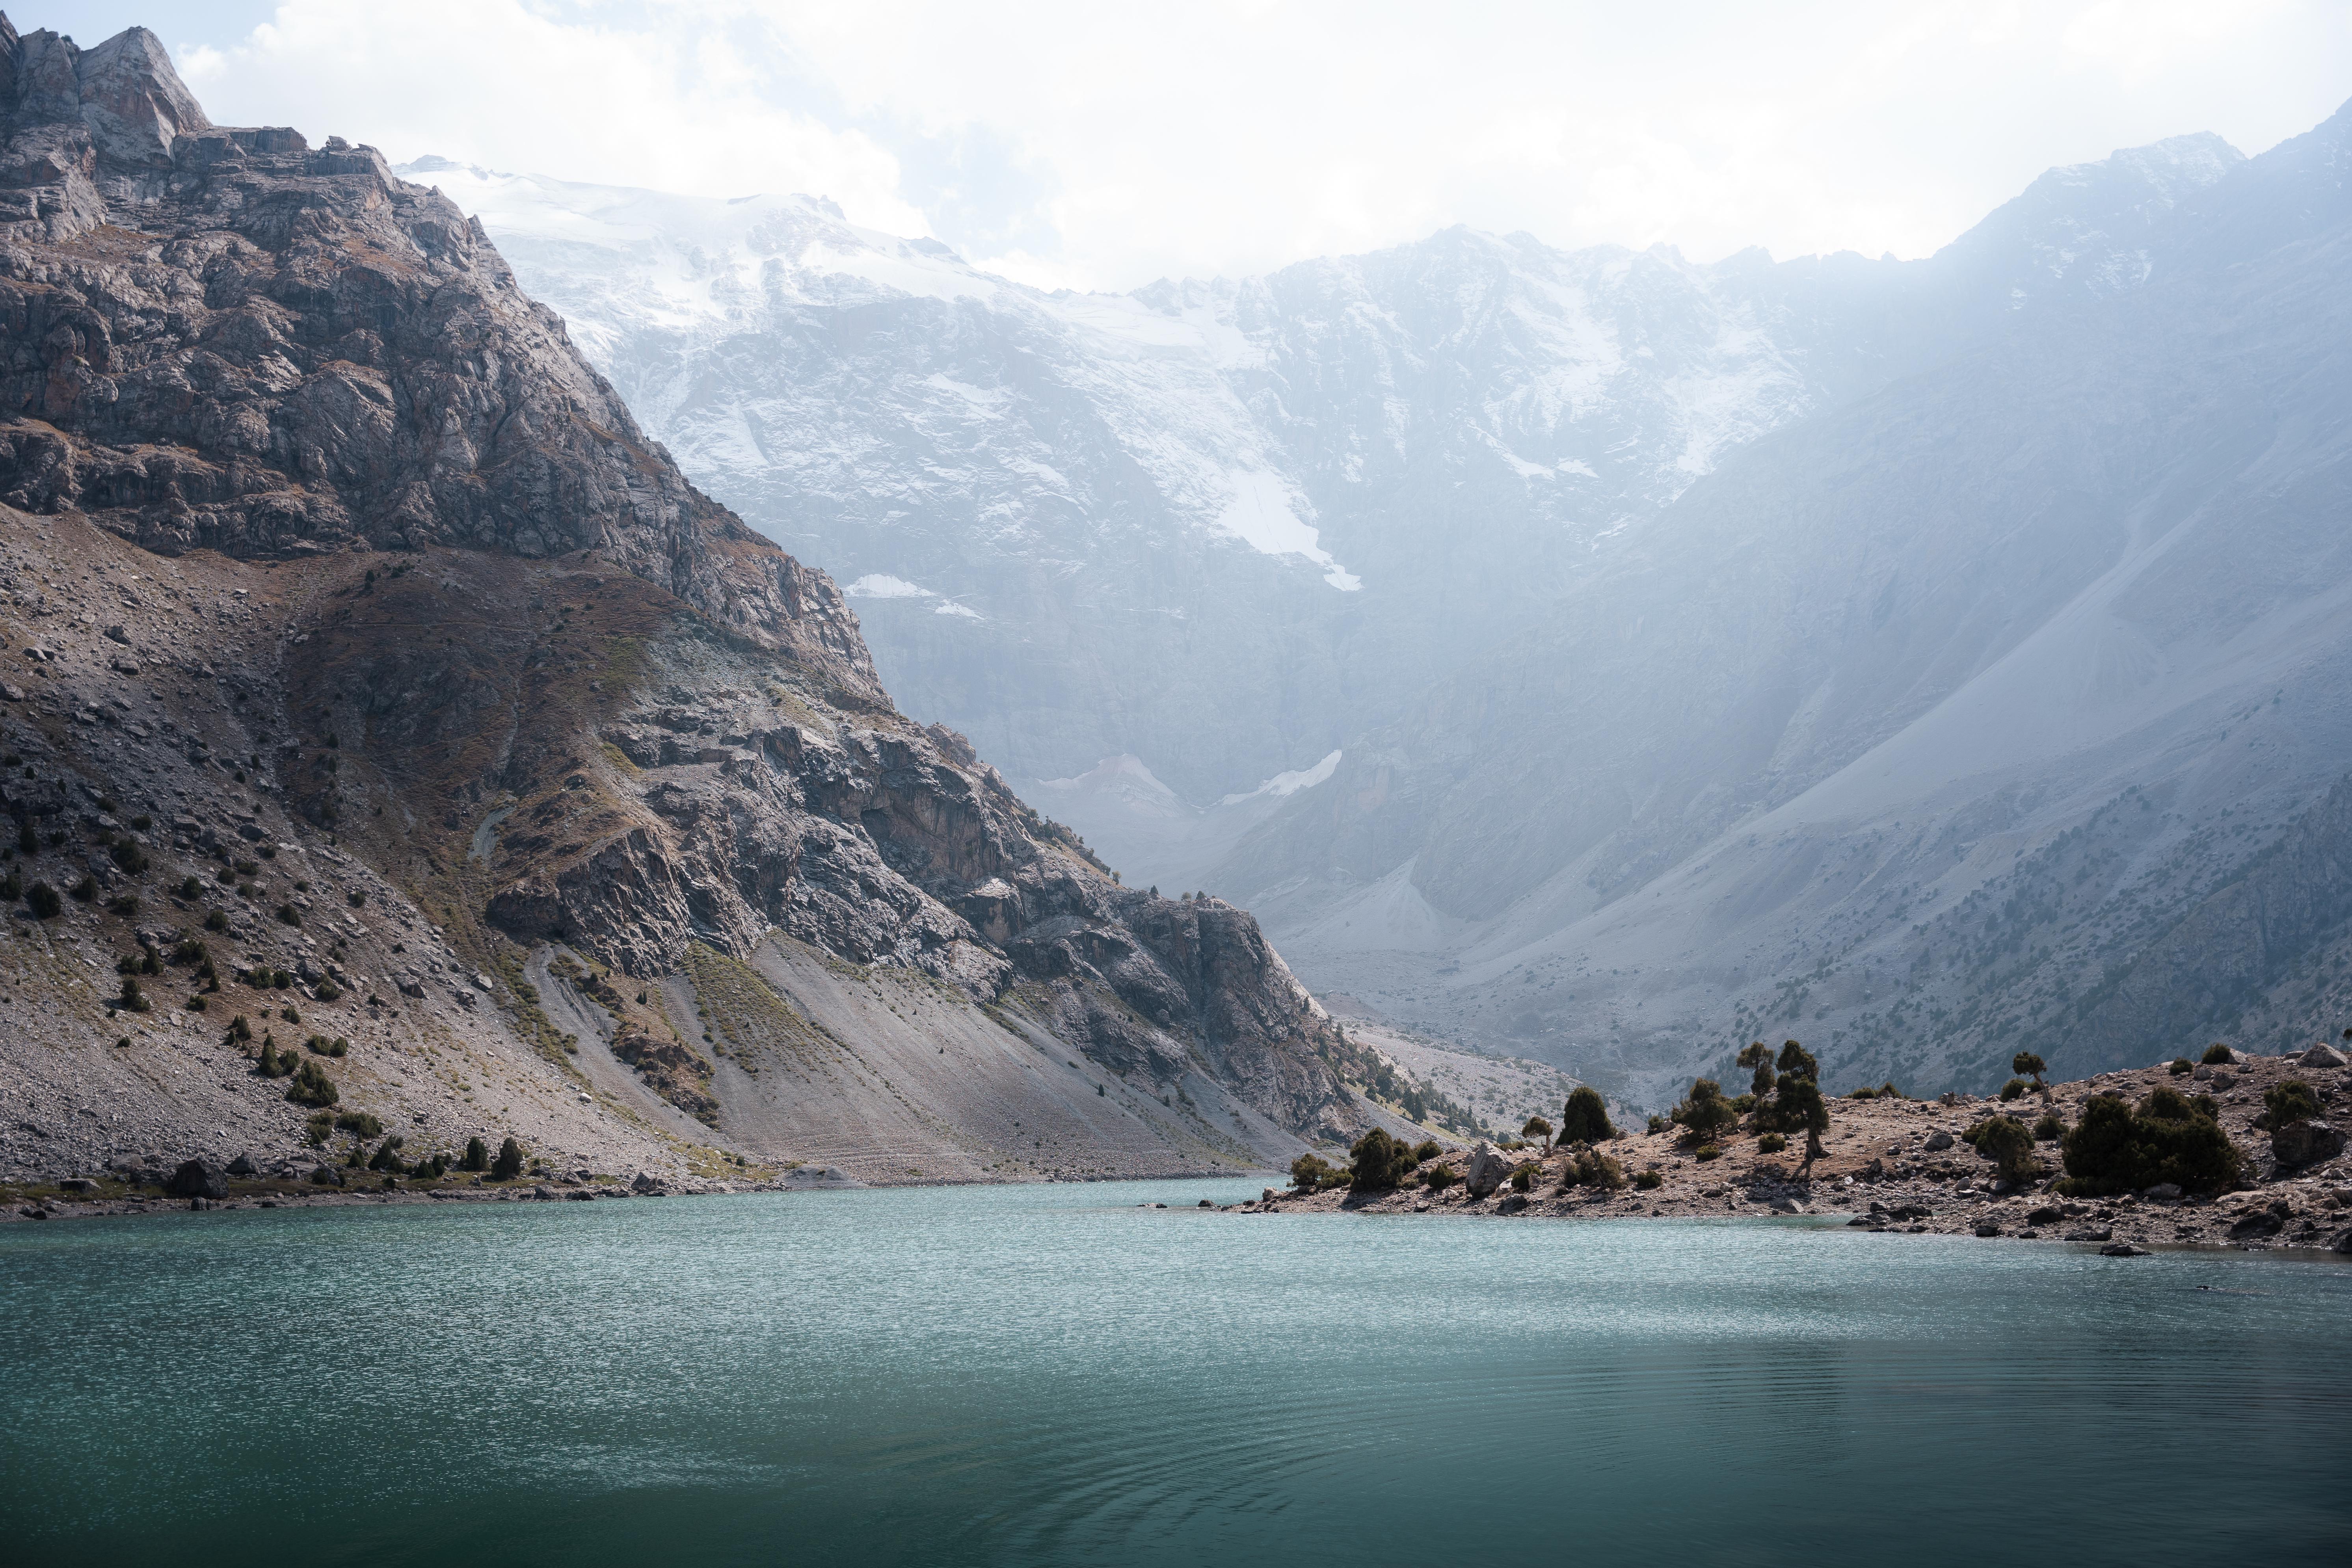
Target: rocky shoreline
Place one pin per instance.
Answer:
(1902, 1166)
(199, 1185)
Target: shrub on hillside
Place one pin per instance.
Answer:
(1427, 1149)
(44, 901)
(2014, 1090)
(2050, 1128)
(358, 1123)
(2115, 1149)
(1649, 1181)
(2180, 1066)
(1771, 1143)
(1592, 1168)
(2290, 1101)
(311, 1085)
(1440, 1177)
(2217, 1055)
(1707, 1152)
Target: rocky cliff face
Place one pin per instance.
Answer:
(419, 581)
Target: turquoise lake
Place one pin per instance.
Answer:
(1039, 1374)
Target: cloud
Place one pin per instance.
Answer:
(1103, 146)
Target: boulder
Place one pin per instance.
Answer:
(2122, 1249)
(645, 1182)
(1516, 1202)
(1987, 1227)
(1485, 1172)
(2256, 1224)
(2305, 1142)
(2092, 1233)
(243, 1165)
(2321, 1055)
(325, 1175)
(77, 1185)
(2045, 1216)
(1938, 1140)
(2163, 1191)
(198, 1179)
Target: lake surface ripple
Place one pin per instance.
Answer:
(1037, 1375)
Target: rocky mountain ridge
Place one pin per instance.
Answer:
(1731, 647)
(314, 516)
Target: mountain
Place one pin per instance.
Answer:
(1999, 708)
(1620, 656)
(385, 689)
(1210, 527)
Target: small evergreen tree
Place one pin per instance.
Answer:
(1758, 1055)
(1796, 1059)
(507, 1166)
(1802, 1109)
(1703, 1111)
(1585, 1118)
(311, 1085)
(2009, 1144)
(2287, 1103)
(1377, 1162)
(477, 1157)
(2028, 1065)
(1537, 1127)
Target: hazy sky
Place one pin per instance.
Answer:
(1103, 145)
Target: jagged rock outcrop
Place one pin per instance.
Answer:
(226, 339)
(486, 639)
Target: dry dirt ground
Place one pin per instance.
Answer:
(1882, 1170)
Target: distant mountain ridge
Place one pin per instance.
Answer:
(1623, 576)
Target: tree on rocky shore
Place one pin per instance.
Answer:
(1585, 1118)
(1800, 1105)
(2027, 1065)
(1379, 1162)
(1705, 1111)
(2009, 1143)
(2169, 1137)
(1537, 1127)
(1758, 1055)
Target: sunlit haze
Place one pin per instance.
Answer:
(1102, 147)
